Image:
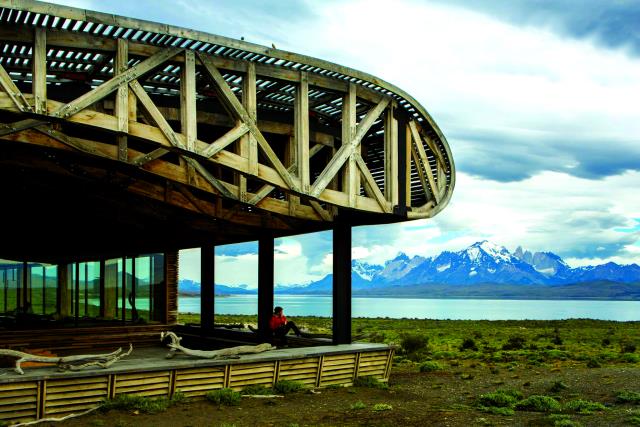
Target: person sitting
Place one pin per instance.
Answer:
(280, 326)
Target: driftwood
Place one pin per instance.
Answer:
(226, 353)
(55, 420)
(262, 396)
(70, 363)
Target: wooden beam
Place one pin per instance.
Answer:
(9, 128)
(301, 124)
(421, 172)
(122, 100)
(230, 99)
(39, 70)
(391, 156)
(267, 189)
(221, 143)
(188, 118)
(424, 160)
(12, 90)
(371, 183)
(156, 115)
(111, 85)
(350, 177)
(219, 185)
(346, 150)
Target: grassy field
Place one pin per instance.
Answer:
(453, 373)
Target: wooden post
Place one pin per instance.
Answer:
(123, 297)
(341, 283)
(391, 161)
(63, 290)
(102, 290)
(189, 124)
(111, 290)
(301, 127)
(159, 288)
(351, 177)
(403, 163)
(122, 99)
(265, 285)
(39, 70)
(76, 300)
(25, 286)
(207, 288)
(248, 143)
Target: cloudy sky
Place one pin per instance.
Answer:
(537, 98)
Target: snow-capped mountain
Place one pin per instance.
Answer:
(365, 271)
(481, 263)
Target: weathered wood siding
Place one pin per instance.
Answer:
(57, 397)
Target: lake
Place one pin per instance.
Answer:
(458, 309)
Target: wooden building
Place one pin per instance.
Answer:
(123, 141)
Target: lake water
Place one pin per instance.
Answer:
(462, 309)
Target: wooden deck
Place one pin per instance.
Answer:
(45, 392)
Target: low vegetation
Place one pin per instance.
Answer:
(548, 373)
(224, 396)
(145, 405)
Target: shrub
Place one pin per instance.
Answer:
(147, 405)
(224, 396)
(358, 405)
(630, 358)
(382, 407)
(538, 403)
(514, 343)
(497, 410)
(371, 382)
(628, 397)
(593, 363)
(562, 420)
(468, 344)
(430, 366)
(584, 406)
(606, 342)
(558, 386)
(286, 386)
(627, 347)
(502, 398)
(412, 343)
(256, 389)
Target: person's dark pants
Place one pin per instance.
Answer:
(283, 330)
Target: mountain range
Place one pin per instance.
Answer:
(481, 270)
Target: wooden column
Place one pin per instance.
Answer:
(341, 283)
(39, 70)
(265, 285)
(391, 161)
(63, 300)
(110, 289)
(188, 122)
(207, 288)
(301, 128)
(122, 99)
(171, 290)
(248, 143)
(404, 162)
(103, 295)
(351, 176)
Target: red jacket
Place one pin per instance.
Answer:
(277, 321)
